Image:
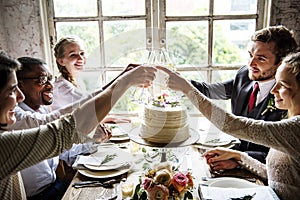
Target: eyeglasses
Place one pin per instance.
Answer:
(42, 79)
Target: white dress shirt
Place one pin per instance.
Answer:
(264, 90)
(36, 177)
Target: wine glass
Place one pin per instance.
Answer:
(139, 92)
(162, 58)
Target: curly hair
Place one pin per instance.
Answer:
(283, 38)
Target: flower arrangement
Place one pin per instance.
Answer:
(163, 101)
(161, 183)
(270, 107)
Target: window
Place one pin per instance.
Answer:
(206, 39)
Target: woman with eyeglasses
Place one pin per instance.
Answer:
(20, 149)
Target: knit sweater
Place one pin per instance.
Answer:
(282, 168)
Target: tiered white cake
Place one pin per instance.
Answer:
(165, 124)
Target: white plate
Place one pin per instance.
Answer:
(118, 138)
(215, 143)
(103, 174)
(120, 129)
(228, 182)
(122, 159)
(104, 167)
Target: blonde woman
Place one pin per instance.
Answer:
(283, 137)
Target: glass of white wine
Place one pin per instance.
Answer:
(139, 93)
(127, 189)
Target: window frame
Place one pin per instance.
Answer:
(155, 16)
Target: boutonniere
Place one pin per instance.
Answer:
(270, 107)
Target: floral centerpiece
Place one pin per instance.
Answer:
(164, 100)
(161, 183)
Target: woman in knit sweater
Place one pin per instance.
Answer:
(23, 148)
(283, 161)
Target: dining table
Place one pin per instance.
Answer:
(182, 158)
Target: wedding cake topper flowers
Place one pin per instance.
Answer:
(164, 100)
(161, 183)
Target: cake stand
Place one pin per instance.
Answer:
(134, 135)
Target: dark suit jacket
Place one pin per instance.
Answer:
(238, 90)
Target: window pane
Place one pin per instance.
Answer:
(188, 41)
(87, 31)
(187, 7)
(231, 38)
(235, 7)
(224, 75)
(124, 104)
(123, 7)
(221, 76)
(122, 40)
(91, 79)
(75, 8)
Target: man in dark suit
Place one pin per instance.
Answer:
(267, 49)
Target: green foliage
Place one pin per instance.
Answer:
(188, 44)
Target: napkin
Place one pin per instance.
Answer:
(118, 156)
(91, 160)
(219, 193)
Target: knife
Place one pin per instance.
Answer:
(106, 184)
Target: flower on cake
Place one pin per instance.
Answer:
(164, 100)
(161, 183)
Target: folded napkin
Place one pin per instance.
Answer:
(105, 156)
(219, 193)
(215, 137)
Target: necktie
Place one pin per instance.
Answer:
(252, 99)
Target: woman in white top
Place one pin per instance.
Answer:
(282, 168)
(71, 58)
(20, 149)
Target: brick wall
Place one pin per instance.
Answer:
(287, 13)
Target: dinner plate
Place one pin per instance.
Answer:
(103, 174)
(119, 129)
(215, 143)
(229, 182)
(119, 159)
(119, 138)
(105, 167)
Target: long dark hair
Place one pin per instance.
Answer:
(7, 66)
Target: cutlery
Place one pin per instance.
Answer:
(248, 179)
(106, 184)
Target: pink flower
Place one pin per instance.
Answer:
(158, 192)
(147, 183)
(180, 181)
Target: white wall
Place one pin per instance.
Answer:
(20, 33)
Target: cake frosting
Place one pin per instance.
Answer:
(164, 123)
